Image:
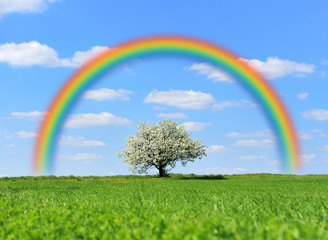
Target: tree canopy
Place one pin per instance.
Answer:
(160, 146)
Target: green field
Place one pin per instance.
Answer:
(257, 206)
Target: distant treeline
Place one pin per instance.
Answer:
(172, 176)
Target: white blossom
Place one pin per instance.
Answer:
(161, 146)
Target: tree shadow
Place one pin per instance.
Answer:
(179, 176)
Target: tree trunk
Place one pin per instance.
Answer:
(161, 171)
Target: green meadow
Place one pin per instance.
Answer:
(258, 206)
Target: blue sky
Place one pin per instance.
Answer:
(43, 42)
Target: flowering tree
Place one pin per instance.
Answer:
(160, 146)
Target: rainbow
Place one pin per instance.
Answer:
(71, 92)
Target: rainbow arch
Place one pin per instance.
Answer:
(69, 94)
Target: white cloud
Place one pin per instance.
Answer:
(23, 6)
(319, 132)
(195, 126)
(253, 157)
(303, 96)
(221, 105)
(159, 108)
(10, 145)
(216, 148)
(4, 118)
(181, 99)
(82, 156)
(81, 57)
(238, 170)
(224, 104)
(253, 142)
(264, 133)
(272, 68)
(34, 53)
(274, 162)
(212, 72)
(172, 115)
(28, 115)
(316, 114)
(267, 141)
(250, 142)
(305, 136)
(92, 119)
(308, 158)
(325, 148)
(107, 94)
(9, 137)
(79, 141)
(29, 54)
(6, 136)
(24, 134)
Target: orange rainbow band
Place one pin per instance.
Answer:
(71, 92)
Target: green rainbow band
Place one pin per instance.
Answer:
(70, 93)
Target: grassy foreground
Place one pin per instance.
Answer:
(256, 206)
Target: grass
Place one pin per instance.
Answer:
(255, 206)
